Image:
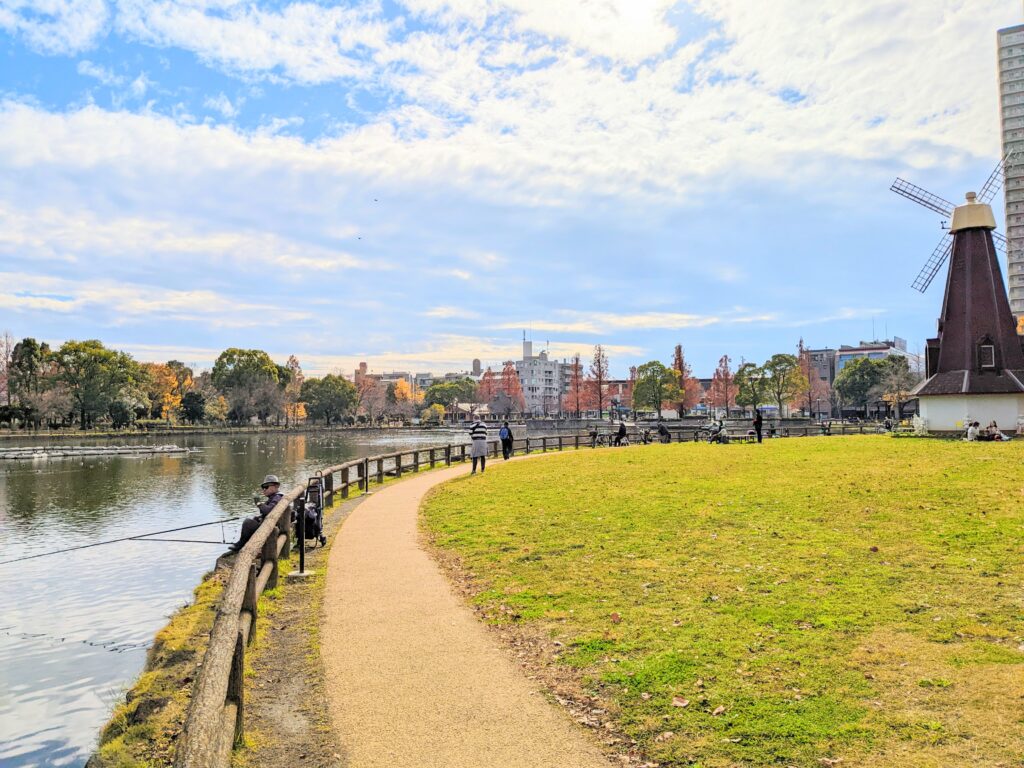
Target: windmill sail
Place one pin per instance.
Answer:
(995, 179)
(934, 264)
(922, 197)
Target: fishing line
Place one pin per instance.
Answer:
(136, 537)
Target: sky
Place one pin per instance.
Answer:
(414, 183)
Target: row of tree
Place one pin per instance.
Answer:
(83, 383)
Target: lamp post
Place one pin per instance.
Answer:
(817, 407)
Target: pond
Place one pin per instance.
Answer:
(75, 626)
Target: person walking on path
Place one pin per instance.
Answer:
(265, 502)
(505, 435)
(758, 423)
(478, 434)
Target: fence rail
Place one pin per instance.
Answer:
(214, 721)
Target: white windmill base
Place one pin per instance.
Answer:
(952, 413)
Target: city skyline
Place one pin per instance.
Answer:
(413, 184)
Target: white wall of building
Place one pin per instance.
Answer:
(947, 413)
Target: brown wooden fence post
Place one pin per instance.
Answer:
(285, 526)
(344, 482)
(398, 465)
(415, 461)
(250, 600)
(270, 556)
(448, 455)
(577, 437)
(527, 445)
(380, 471)
(328, 490)
(236, 689)
(433, 457)
(544, 444)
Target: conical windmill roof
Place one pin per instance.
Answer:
(978, 350)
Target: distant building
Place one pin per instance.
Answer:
(874, 350)
(1010, 43)
(823, 361)
(541, 380)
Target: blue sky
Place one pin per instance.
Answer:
(412, 183)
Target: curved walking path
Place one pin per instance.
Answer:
(413, 678)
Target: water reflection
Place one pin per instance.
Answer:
(74, 627)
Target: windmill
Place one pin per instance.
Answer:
(945, 208)
(975, 366)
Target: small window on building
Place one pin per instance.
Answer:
(987, 355)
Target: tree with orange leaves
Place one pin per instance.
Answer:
(487, 390)
(162, 389)
(510, 386)
(722, 393)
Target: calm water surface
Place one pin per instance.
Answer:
(74, 628)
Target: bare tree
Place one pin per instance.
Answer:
(599, 377)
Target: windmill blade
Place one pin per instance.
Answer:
(935, 261)
(922, 197)
(995, 179)
(999, 241)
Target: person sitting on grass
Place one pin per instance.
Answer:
(972, 432)
(994, 433)
(265, 500)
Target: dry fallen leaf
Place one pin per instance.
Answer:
(664, 736)
(645, 696)
(616, 618)
(718, 710)
(679, 701)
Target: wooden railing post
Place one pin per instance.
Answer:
(270, 556)
(433, 457)
(577, 442)
(415, 461)
(250, 600)
(344, 482)
(527, 445)
(544, 444)
(328, 489)
(284, 524)
(236, 689)
(398, 465)
(559, 442)
(448, 455)
(380, 471)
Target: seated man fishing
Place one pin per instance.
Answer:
(265, 501)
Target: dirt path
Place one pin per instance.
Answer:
(412, 678)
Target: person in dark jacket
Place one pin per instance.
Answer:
(621, 434)
(506, 437)
(265, 502)
(758, 423)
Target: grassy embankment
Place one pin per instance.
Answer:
(799, 603)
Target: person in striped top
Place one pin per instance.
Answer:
(478, 434)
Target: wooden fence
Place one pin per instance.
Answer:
(214, 722)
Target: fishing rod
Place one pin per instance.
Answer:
(136, 537)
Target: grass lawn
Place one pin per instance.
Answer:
(824, 601)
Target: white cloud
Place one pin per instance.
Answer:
(609, 322)
(303, 41)
(221, 103)
(445, 313)
(66, 235)
(55, 26)
(99, 72)
(121, 302)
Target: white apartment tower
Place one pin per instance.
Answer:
(1011, 106)
(541, 380)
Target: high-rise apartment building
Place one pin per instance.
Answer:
(1011, 106)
